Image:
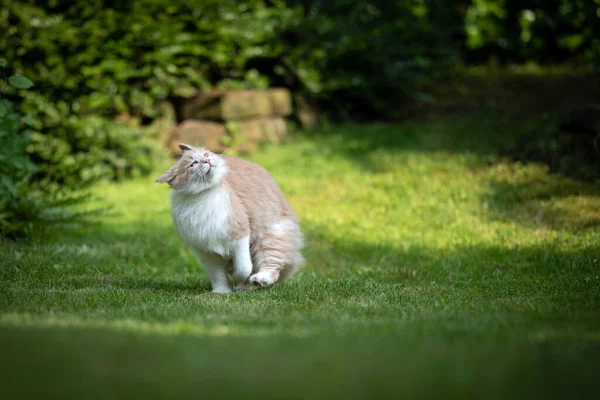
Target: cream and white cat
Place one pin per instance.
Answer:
(233, 215)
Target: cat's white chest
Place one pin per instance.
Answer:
(202, 220)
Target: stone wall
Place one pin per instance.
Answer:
(238, 119)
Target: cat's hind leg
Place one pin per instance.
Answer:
(276, 252)
(289, 270)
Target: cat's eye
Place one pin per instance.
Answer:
(194, 163)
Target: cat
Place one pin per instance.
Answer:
(233, 215)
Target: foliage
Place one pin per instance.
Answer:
(15, 168)
(529, 30)
(103, 58)
(549, 114)
(74, 141)
(364, 58)
(26, 202)
(19, 207)
(109, 59)
(82, 150)
(41, 175)
(359, 59)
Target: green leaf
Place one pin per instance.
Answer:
(3, 62)
(28, 120)
(20, 82)
(572, 42)
(4, 107)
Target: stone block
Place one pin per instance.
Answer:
(236, 105)
(249, 134)
(244, 136)
(307, 112)
(211, 135)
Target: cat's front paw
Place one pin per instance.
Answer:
(263, 278)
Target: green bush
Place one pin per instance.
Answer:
(15, 168)
(42, 175)
(23, 200)
(82, 150)
(82, 81)
(52, 172)
(107, 58)
(16, 207)
(362, 59)
(358, 59)
(96, 58)
(530, 30)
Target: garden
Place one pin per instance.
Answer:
(447, 183)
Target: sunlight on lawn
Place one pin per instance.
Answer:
(135, 326)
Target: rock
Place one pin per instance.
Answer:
(211, 135)
(249, 134)
(235, 105)
(306, 112)
(168, 138)
(162, 126)
(244, 136)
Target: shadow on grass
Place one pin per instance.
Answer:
(516, 93)
(515, 114)
(368, 144)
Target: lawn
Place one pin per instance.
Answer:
(436, 267)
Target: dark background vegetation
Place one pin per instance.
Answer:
(95, 61)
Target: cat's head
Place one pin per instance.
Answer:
(198, 169)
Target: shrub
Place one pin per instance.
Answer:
(107, 58)
(82, 150)
(72, 51)
(364, 58)
(42, 176)
(99, 58)
(530, 30)
(15, 168)
(23, 201)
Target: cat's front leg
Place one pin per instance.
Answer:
(242, 263)
(215, 268)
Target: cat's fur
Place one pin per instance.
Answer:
(233, 215)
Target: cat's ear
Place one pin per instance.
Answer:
(185, 147)
(167, 176)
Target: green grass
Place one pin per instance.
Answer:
(435, 268)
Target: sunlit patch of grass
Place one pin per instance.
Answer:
(189, 328)
(527, 193)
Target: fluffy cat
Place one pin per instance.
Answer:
(232, 214)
